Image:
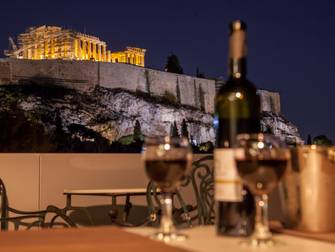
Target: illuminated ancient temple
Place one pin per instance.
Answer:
(53, 42)
(132, 55)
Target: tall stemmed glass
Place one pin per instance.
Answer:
(167, 160)
(261, 161)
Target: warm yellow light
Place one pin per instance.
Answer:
(167, 147)
(260, 145)
(238, 95)
(237, 75)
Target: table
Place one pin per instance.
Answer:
(113, 239)
(204, 239)
(114, 193)
(97, 239)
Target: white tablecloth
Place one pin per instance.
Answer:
(204, 239)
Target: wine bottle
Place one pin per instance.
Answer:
(237, 109)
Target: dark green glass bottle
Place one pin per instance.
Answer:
(237, 108)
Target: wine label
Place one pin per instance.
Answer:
(228, 184)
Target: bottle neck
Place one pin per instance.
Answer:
(237, 54)
(238, 68)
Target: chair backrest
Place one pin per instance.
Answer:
(202, 178)
(201, 181)
(4, 206)
(30, 219)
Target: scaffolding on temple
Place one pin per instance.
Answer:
(53, 42)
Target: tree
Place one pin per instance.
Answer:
(184, 130)
(199, 74)
(174, 130)
(173, 65)
(322, 140)
(178, 92)
(268, 130)
(309, 140)
(137, 132)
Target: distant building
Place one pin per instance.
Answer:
(53, 42)
(132, 55)
(219, 82)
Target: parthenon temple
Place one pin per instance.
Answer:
(53, 42)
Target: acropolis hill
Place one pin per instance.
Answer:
(51, 55)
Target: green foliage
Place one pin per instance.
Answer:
(83, 139)
(173, 65)
(19, 134)
(322, 140)
(184, 129)
(174, 130)
(126, 140)
(178, 92)
(206, 147)
(199, 74)
(138, 136)
(309, 140)
(268, 130)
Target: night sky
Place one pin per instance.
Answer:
(291, 43)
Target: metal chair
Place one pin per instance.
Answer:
(201, 180)
(50, 217)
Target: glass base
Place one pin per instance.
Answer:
(261, 243)
(168, 237)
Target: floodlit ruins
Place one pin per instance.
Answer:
(53, 42)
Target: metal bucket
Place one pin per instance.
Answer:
(307, 190)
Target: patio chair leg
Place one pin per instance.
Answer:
(126, 209)
(113, 213)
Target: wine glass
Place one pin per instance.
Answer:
(261, 161)
(167, 160)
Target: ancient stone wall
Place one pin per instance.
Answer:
(184, 89)
(186, 86)
(270, 101)
(121, 76)
(5, 72)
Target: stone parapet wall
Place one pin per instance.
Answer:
(184, 89)
(270, 101)
(5, 72)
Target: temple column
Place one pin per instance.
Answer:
(80, 49)
(89, 50)
(109, 56)
(94, 54)
(99, 52)
(85, 49)
(35, 52)
(103, 53)
(52, 48)
(75, 49)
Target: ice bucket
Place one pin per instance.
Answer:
(307, 190)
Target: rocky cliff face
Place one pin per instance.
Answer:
(54, 118)
(278, 125)
(99, 115)
(273, 121)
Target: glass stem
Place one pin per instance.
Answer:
(262, 231)
(167, 226)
